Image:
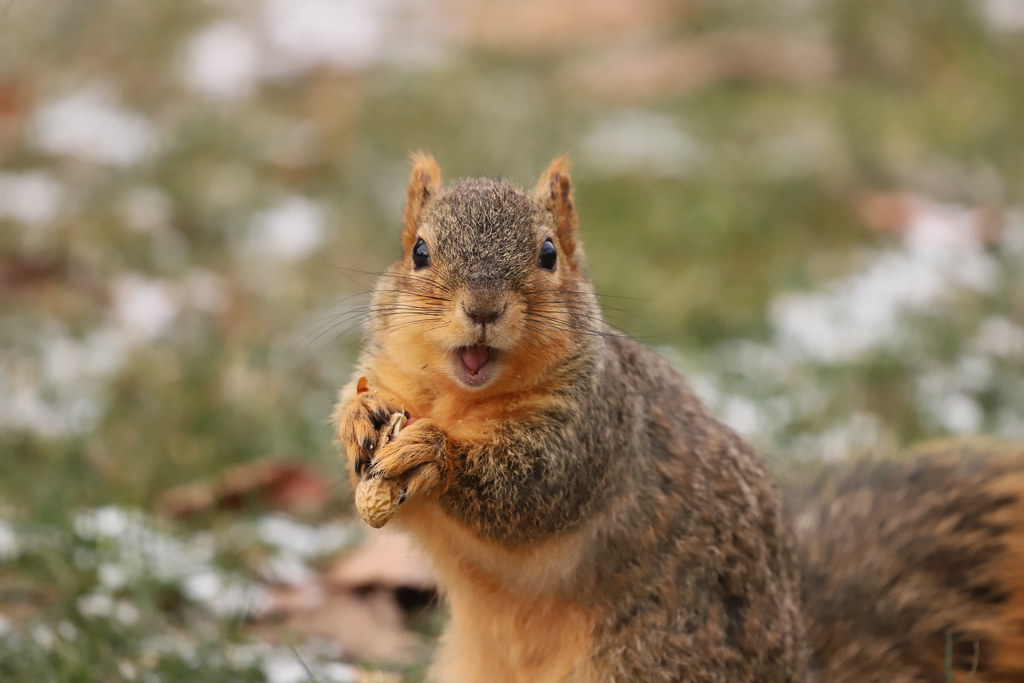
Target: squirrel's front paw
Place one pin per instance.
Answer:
(363, 425)
(408, 465)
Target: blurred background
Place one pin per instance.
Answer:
(812, 207)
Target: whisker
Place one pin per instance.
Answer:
(568, 326)
(404, 276)
(350, 320)
(551, 315)
(415, 293)
(421, 321)
(600, 295)
(622, 314)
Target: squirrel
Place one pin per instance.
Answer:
(589, 519)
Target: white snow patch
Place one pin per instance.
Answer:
(1000, 337)
(95, 605)
(62, 391)
(860, 433)
(1003, 15)
(127, 670)
(133, 548)
(66, 630)
(284, 666)
(957, 413)
(223, 595)
(222, 60)
(167, 645)
(140, 548)
(974, 373)
(948, 396)
(742, 414)
(42, 635)
(59, 388)
(203, 587)
(306, 32)
(303, 540)
(104, 522)
(32, 198)
(112, 576)
(143, 308)
(639, 141)
(89, 124)
(276, 660)
(103, 606)
(274, 39)
(1012, 241)
(290, 230)
(286, 569)
(10, 547)
(67, 362)
(284, 669)
(940, 254)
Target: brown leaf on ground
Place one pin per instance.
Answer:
(641, 71)
(13, 98)
(287, 486)
(886, 212)
(14, 102)
(28, 273)
(386, 559)
(539, 25)
(366, 626)
(895, 213)
(285, 601)
(356, 602)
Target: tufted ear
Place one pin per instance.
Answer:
(424, 184)
(554, 190)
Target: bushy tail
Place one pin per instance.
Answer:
(913, 569)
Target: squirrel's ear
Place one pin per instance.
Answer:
(554, 190)
(424, 184)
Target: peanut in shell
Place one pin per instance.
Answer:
(377, 499)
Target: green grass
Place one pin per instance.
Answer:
(923, 99)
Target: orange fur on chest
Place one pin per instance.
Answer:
(513, 615)
(515, 612)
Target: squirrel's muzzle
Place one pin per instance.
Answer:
(483, 315)
(484, 306)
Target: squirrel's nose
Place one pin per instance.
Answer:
(483, 315)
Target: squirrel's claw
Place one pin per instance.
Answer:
(361, 423)
(403, 468)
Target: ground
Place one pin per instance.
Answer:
(812, 207)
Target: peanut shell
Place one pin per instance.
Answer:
(377, 499)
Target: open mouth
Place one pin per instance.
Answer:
(474, 365)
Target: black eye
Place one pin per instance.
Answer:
(548, 255)
(420, 254)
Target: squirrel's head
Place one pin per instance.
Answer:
(490, 286)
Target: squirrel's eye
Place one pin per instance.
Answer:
(548, 255)
(420, 254)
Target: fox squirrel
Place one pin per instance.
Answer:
(590, 520)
